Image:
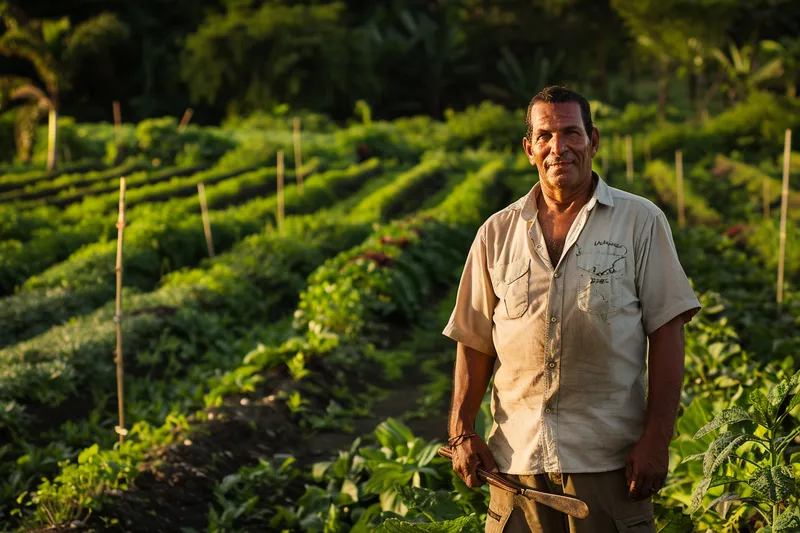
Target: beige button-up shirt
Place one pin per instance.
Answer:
(570, 342)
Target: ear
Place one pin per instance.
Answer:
(595, 137)
(528, 147)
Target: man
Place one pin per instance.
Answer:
(560, 294)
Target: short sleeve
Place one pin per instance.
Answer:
(471, 320)
(663, 288)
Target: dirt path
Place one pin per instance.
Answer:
(177, 493)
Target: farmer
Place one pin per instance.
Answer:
(560, 295)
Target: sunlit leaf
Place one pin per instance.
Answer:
(721, 450)
(776, 484)
(727, 416)
(394, 525)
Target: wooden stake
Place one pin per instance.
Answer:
(298, 155)
(765, 199)
(117, 128)
(201, 190)
(629, 156)
(787, 147)
(120, 429)
(679, 180)
(280, 190)
(187, 116)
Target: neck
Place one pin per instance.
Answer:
(560, 200)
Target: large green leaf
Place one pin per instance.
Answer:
(761, 404)
(776, 397)
(697, 495)
(721, 450)
(789, 520)
(438, 505)
(693, 418)
(794, 402)
(394, 525)
(727, 416)
(776, 484)
(392, 433)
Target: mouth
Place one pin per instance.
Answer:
(560, 164)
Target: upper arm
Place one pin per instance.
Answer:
(663, 289)
(471, 322)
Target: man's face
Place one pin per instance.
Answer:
(559, 145)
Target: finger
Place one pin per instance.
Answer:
(635, 487)
(487, 461)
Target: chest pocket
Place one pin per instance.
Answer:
(601, 271)
(511, 283)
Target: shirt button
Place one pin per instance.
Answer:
(547, 410)
(556, 274)
(551, 365)
(553, 319)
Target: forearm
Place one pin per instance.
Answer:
(665, 371)
(473, 369)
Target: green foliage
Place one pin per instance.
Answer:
(159, 139)
(765, 482)
(282, 54)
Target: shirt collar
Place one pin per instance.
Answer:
(601, 193)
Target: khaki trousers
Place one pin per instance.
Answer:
(606, 494)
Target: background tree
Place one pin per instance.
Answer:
(677, 34)
(55, 49)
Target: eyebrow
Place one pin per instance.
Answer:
(566, 128)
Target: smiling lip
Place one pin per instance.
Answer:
(561, 164)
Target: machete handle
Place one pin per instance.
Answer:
(566, 504)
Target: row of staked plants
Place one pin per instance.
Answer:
(192, 310)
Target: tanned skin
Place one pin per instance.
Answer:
(562, 151)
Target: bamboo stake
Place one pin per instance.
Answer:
(629, 156)
(187, 116)
(787, 146)
(679, 179)
(120, 429)
(280, 190)
(298, 155)
(117, 128)
(765, 200)
(201, 190)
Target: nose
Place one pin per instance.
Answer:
(558, 144)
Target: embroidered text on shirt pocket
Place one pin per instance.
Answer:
(512, 280)
(601, 273)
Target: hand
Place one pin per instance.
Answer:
(646, 467)
(468, 456)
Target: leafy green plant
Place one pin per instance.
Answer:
(754, 461)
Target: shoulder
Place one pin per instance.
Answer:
(501, 221)
(635, 205)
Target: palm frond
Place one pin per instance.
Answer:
(22, 42)
(20, 88)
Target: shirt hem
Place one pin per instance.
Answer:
(471, 341)
(679, 308)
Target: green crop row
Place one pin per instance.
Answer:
(38, 192)
(431, 253)
(19, 261)
(74, 194)
(14, 180)
(153, 248)
(249, 266)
